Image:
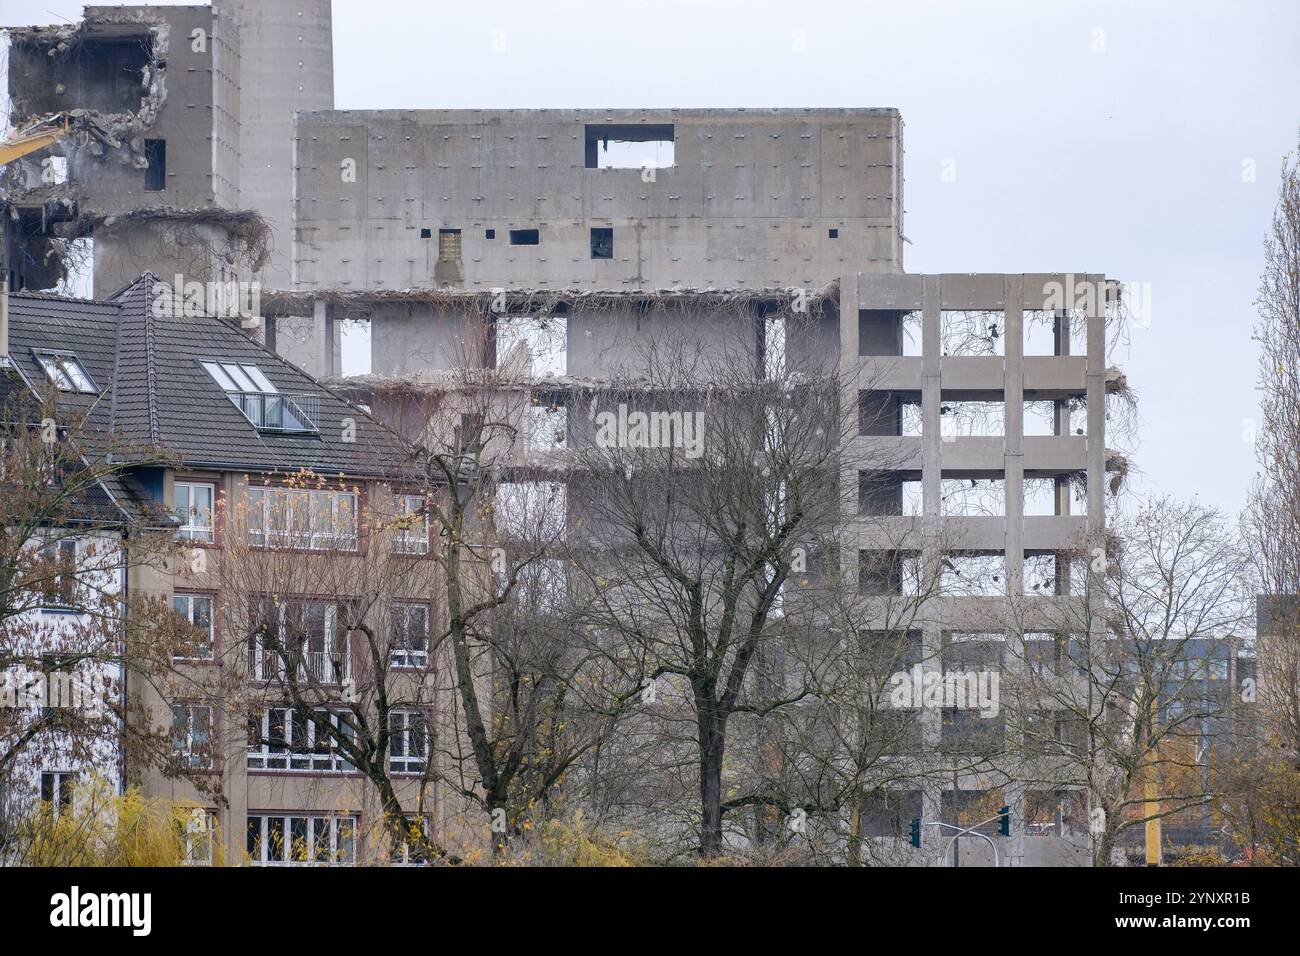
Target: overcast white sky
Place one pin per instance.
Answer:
(1113, 137)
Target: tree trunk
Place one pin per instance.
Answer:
(712, 746)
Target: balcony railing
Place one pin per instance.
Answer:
(279, 411)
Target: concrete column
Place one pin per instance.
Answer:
(1013, 393)
(1096, 385)
(850, 364)
(931, 470)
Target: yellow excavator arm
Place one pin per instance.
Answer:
(37, 136)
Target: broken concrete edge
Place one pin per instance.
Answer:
(502, 301)
(116, 130)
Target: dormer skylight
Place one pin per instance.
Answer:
(266, 407)
(66, 372)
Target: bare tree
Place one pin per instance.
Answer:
(69, 635)
(1111, 696)
(1273, 518)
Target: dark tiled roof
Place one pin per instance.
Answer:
(155, 395)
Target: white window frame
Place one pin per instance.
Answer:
(198, 843)
(412, 540)
(335, 833)
(263, 670)
(402, 655)
(401, 852)
(191, 528)
(66, 372)
(295, 510)
(297, 755)
(408, 741)
(62, 786)
(186, 746)
(187, 613)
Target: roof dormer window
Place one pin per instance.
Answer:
(66, 372)
(265, 406)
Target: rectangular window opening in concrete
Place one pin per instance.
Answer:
(971, 332)
(972, 419)
(532, 346)
(973, 497)
(525, 237)
(886, 413)
(449, 245)
(1043, 336)
(889, 494)
(155, 176)
(635, 146)
(888, 332)
(602, 242)
(889, 573)
(978, 574)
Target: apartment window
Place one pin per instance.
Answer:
(602, 243)
(525, 237)
(833, 233)
(288, 738)
(67, 373)
(311, 637)
(194, 510)
(155, 176)
(298, 518)
(410, 635)
(195, 610)
(59, 588)
(192, 735)
(489, 233)
(56, 789)
(411, 849)
(198, 835)
(285, 839)
(412, 535)
(266, 407)
(408, 741)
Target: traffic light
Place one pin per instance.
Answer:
(916, 832)
(1004, 821)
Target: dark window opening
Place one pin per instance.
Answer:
(602, 243)
(835, 233)
(426, 233)
(155, 153)
(524, 237)
(490, 234)
(640, 146)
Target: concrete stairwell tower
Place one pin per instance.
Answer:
(286, 65)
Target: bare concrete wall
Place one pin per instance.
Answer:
(287, 65)
(751, 201)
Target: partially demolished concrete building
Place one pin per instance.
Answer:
(439, 229)
(177, 153)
